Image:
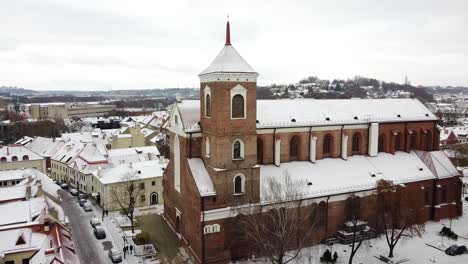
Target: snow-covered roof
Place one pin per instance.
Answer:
(9, 175)
(19, 151)
(189, 113)
(45, 147)
(8, 243)
(307, 112)
(131, 171)
(12, 193)
(147, 132)
(228, 61)
(333, 176)
(202, 177)
(438, 163)
(92, 154)
(21, 211)
(273, 113)
(68, 152)
(133, 151)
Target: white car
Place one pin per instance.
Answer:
(95, 221)
(74, 192)
(87, 207)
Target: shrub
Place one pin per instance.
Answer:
(142, 238)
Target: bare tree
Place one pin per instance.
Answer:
(126, 194)
(279, 231)
(399, 213)
(359, 233)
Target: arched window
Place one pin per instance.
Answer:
(259, 151)
(215, 228)
(398, 146)
(294, 148)
(207, 229)
(238, 106)
(428, 141)
(327, 145)
(239, 184)
(356, 146)
(208, 105)
(3, 159)
(413, 140)
(382, 143)
(207, 146)
(238, 149)
(177, 164)
(25, 157)
(14, 158)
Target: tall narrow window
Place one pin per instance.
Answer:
(444, 198)
(398, 142)
(428, 141)
(382, 143)
(238, 106)
(356, 147)
(238, 184)
(327, 145)
(238, 149)
(208, 105)
(294, 148)
(259, 151)
(413, 140)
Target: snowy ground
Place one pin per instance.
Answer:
(414, 249)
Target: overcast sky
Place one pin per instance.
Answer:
(113, 44)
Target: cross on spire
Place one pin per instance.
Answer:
(228, 33)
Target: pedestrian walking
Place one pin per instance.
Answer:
(131, 249)
(125, 251)
(102, 215)
(107, 212)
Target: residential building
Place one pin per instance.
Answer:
(14, 157)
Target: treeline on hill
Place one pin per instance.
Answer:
(10, 133)
(341, 89)
(139, 102)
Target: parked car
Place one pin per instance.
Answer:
(99, 232)
(64, 186)
(87, 207)
(95, 221)
(115, 255)
(81, 196)
(454, 250)
(82, 202)
(74, 192)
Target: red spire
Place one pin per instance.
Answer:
(228, 33)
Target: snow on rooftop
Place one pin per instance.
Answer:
(189, 113)
(92, 154)
(332, 176)
(12, 193)
(271, 113)
(228, 61)
(45, 147)
(134, 171)
(8, 243)
(18, 152)
(202, 178)
(307, 112)
(133, 151)
(21, 211)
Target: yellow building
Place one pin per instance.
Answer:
(146, 176)
(13, 157)
(133, 136)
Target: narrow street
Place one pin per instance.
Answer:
(89, 249)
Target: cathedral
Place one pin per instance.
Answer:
(226, 145)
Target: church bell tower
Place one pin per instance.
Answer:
(228, 122)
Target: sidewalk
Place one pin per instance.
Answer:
(115, 234)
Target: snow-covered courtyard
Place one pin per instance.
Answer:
(414, 249)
